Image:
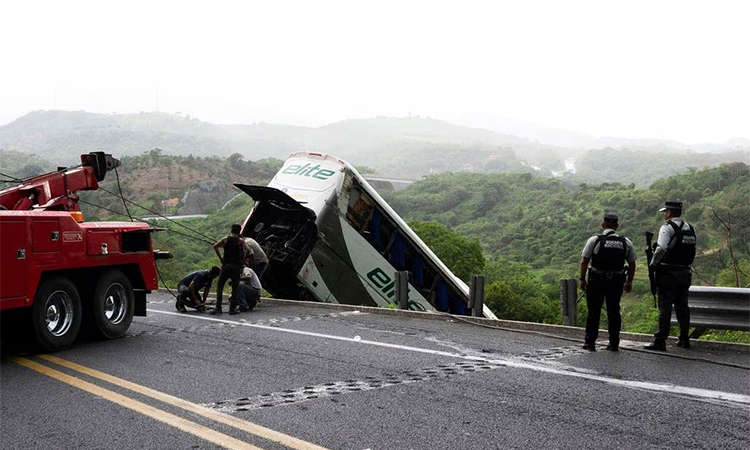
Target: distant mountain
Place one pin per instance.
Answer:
(407, 147)
(63, 135)
(577, 140)
(733, 144)
(397, 146)
(529, 130)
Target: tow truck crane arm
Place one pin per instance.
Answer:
(57, 191)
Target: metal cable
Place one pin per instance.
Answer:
(117, 175)
(208, 238)
(144, 221)
(164, 282)
(12, 179)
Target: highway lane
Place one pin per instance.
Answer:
(345, 380)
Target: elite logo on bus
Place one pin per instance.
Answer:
(308, 171)
(382, 281)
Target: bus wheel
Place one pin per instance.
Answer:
(113, 305)
(56, 314)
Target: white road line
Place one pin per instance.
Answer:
(697, 393)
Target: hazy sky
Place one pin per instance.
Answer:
(663, 69)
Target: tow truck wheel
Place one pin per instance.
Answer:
(113, 305)
(56, 314)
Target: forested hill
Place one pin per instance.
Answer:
(61, 136)
(545, 222)
(409, 147)
(168, 184)
(165, 184)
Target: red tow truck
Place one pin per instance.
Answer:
(61, 272)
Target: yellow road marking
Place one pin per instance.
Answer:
(147, 410)
(217, 416)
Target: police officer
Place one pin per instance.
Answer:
(674, 253)
(604, 256)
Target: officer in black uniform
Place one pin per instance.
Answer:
(604, 256)
(674, 253)
(235, 249)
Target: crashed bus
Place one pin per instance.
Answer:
(330, 237)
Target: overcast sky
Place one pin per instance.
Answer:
(661, 69)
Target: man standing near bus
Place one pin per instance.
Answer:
(235, 250)
(257, 259)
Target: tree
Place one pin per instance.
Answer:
(235, 159)
(514, 293)
(729, 227)
(463, 256)
(365, 169)
(155, 155)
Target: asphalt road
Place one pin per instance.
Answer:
(284, 377)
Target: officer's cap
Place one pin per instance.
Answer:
(671, 205)
(611, 218)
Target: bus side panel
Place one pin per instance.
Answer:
(376, 272)
(354, 272)
(313, 281)
(333, 260)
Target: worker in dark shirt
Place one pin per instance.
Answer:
(235, 249)
(191, 284)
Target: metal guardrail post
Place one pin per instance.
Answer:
(476, 295)
(402, 289)
(569, 301)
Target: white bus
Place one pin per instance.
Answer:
(331, 238)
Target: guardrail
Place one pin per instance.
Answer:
(711, 308)
(717, 308)
(476, 292)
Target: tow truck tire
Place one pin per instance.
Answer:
(56, 314)
(113, 305)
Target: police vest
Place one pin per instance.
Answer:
(611, 254)
(233, 251)
(681, 247)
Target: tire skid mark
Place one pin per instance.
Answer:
(552, 354)
(336, 388)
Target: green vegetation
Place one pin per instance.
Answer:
(523, 277)
(523, 231)
(402, 147)
(643, 167)
(22, 165)
(533, 229)
(160, 183)
(190, 241)
(463, 256)
(544, 222)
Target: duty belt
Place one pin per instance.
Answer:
(608, 273)
(665, 266)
